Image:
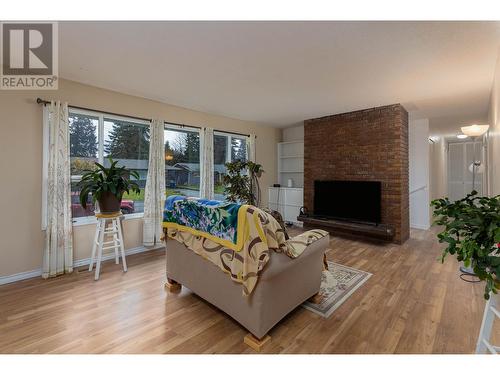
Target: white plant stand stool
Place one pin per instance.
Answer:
(107, 237)
(491, 310)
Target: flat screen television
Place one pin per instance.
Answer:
(357, 201)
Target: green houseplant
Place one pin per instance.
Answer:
(107, 185)
(472, 233)
(240, 186)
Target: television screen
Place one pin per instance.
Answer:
(349, 200)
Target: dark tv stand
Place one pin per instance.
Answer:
(348, 228)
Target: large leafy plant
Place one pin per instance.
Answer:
(472, 233)
(115, 180)
(241, 183)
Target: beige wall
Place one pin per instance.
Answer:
(494, 136)
(438, 162)
(21, 238)
(293, 133)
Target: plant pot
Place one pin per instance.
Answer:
(109, 203)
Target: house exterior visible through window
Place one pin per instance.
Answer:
(182, 161)
(84, 151)
(93, 138)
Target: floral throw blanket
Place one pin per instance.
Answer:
(207, 218)
(259, 234)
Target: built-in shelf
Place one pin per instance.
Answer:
(287, 201)
(291, 163)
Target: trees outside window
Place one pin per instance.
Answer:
(83, 136)
(93, 137)
(238, 149)
(128, 143)
(83, 139)
(182, 161)
(126, 140)
(227, 148)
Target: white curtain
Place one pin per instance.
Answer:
(58, 250)
(251, 154)
(207, 163)
(154, 193)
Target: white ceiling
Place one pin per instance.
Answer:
(280, 73)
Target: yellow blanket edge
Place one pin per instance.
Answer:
(226, 243)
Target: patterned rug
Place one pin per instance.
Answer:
(337, 285)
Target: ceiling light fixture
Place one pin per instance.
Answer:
(474, 130)
(462, 136)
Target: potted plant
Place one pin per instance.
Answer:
(241, 186)
(472, 233)
(107, 185)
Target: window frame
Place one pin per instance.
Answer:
(230, 137)
(87, 220)
(171, 126)
(229, 142)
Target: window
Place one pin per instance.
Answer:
(84, 147)
(227, 148)
(128, 143)
(182, 161)
(95, 136)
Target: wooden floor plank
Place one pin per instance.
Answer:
(411, 304)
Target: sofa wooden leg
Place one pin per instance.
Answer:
(255, 343)
(316, 299)
(325, 263)
(173, 286)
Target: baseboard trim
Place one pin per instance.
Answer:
(20, 276)
(134, 250)
(78, 263)
(418, 226)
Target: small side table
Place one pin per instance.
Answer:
(102, 240)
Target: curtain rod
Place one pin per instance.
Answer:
(44, 102)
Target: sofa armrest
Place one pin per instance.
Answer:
(280, 262)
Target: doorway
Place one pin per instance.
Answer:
(460, 177)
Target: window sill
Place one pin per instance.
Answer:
(91, 220)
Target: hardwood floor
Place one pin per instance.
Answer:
(411, 304)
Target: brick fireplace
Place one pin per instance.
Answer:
(365, 145)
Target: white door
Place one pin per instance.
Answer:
(469, 159)
(460, 157)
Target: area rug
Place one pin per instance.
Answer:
(337, 285)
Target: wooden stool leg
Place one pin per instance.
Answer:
(102, 226)
(255, 343)
(115, 240)
(173, 286)
(122, 247)
(94, 245)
